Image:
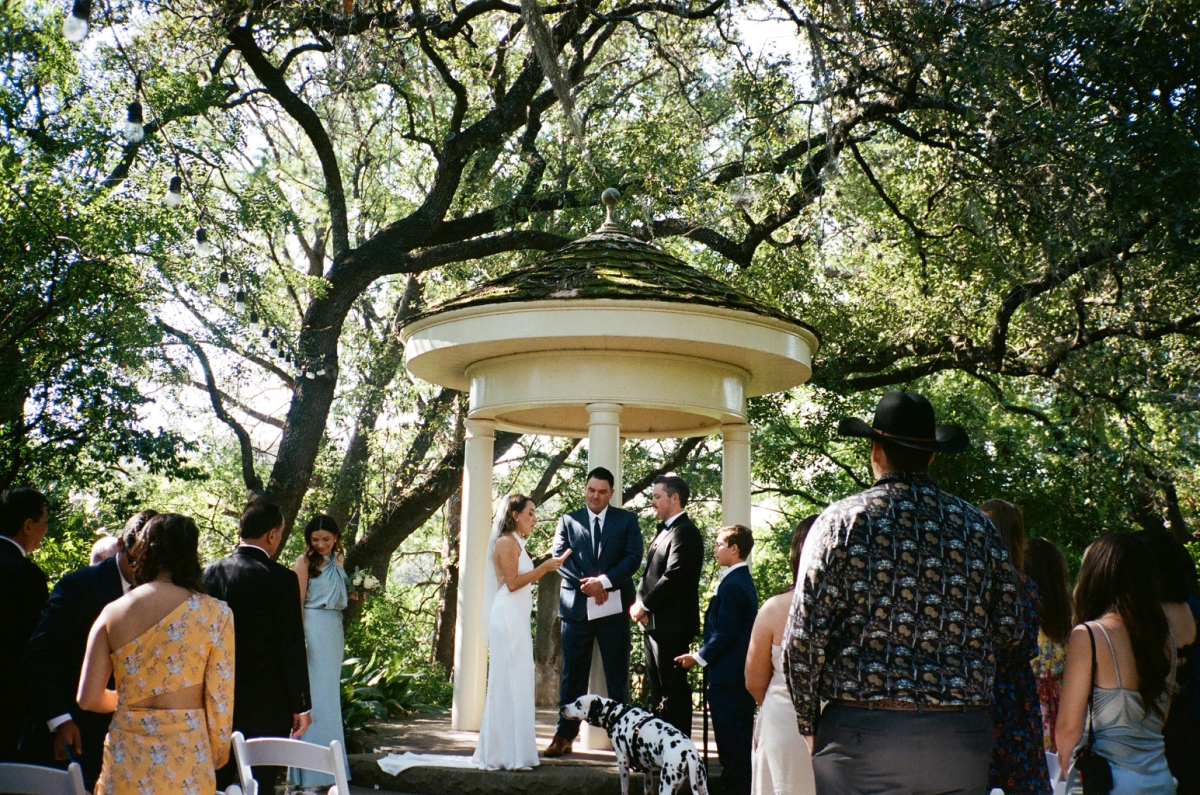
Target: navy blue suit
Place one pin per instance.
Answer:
(727, 625)
(620, 557)
(54, 661)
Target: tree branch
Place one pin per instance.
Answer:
(275, 83)
(250, 478)
(242, 407)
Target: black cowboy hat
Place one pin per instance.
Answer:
(907, 419)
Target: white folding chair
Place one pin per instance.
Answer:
(289, 753)
(37, 780)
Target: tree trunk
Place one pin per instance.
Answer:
(547, 642)
(443, 632)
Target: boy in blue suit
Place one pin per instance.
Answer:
(727, 625)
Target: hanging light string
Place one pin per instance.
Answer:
(75, 29)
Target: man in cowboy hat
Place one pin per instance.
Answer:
(906, 596)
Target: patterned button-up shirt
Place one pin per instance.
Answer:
(905, 592)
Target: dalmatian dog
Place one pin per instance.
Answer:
(643, 742)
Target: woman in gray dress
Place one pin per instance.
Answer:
(324, 591)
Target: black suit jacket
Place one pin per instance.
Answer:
(54, 658)
(670, 586)
(22, 597)
(727, 625)
(271, 682)
(620, 556)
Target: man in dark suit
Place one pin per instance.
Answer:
(24, 518)
(606, 545)
(270, 696)
(727, 625)
(54, 659)
(668, 603)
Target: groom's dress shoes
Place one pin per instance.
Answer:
(559, 746)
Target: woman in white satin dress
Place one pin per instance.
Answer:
(508, 737)
(779, 760)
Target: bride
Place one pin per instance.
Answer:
(508, 739)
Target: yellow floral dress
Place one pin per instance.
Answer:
(172, 750)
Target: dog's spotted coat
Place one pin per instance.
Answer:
(643, 742)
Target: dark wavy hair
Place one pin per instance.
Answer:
(1118, 574)
(311, 556)
(1046, 565)
(798, 536)
(168, 543)
(513, 506)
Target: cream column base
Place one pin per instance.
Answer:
(470, 629)
(735, 475)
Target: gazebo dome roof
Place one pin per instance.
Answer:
(610, 264)
(609, 319)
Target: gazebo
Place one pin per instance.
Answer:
(607, 336)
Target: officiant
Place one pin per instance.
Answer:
(594, 599)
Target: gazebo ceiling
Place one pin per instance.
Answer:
(609, 318)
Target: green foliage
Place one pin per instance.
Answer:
(390, 628)
(372, 690)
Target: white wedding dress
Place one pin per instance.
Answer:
(508, 737)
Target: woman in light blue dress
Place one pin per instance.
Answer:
(1118, 616)
(324, 591)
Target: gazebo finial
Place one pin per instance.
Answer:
(611, 197)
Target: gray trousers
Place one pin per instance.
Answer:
(873, 752)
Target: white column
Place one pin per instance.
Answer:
(735, 475)
(604, 450)
(470, 629)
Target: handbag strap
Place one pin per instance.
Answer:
(1092, 687)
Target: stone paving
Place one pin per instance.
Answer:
(580, 773)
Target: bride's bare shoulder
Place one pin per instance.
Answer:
(506, 542)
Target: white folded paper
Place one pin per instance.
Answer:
(611, 606)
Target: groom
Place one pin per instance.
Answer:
(597, 578)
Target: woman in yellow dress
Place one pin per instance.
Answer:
(170, 649)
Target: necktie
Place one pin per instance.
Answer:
(662, 526)
(596, 537)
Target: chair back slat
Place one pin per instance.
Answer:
(36, 780)
(279, 752)
(289, 753)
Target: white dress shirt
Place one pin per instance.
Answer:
(592, 517)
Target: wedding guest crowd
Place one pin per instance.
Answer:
(926, 645)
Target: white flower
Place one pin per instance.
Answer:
(358, 579)
(370, 583)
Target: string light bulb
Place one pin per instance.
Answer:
(134, 129)
(223, 284)
(75, 26)
(203, 247)
(309, 374)
(254, 324)
(239, 302)
(321, 372)
(174, 196)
